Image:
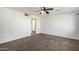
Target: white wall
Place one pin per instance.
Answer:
(13, 25)
(64, 25)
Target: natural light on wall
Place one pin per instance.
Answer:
(66, 24)
(59, 24)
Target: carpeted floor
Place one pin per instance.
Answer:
(41, 42)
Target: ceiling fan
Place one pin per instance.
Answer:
(45, 10)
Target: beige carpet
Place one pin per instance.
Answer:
(41, 42)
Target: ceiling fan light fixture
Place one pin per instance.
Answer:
(43, 12)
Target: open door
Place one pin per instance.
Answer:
(33, 25)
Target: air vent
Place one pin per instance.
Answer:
(26, 14)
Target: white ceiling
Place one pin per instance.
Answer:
(33, 10)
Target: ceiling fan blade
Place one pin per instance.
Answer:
(50, 9)
(47, 12)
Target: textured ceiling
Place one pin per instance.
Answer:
(33, 10)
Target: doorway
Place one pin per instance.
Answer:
(33, 25)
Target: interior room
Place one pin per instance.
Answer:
(39, 28)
